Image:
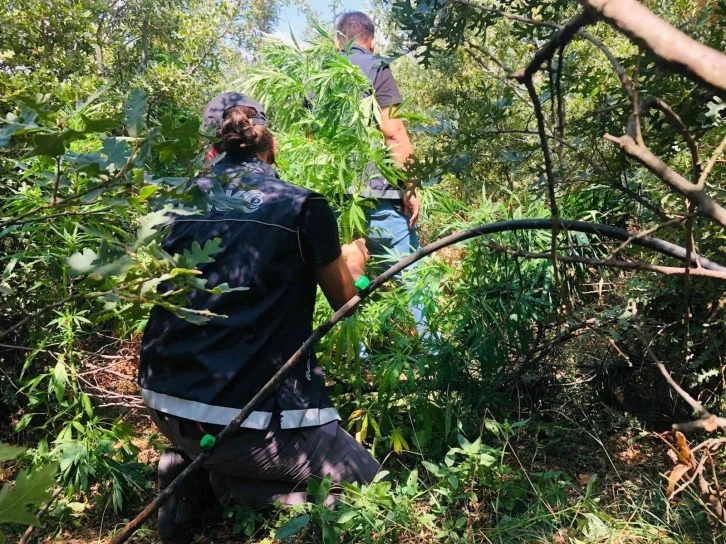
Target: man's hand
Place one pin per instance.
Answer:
(337, 279)
(355, 255)
(410, 206)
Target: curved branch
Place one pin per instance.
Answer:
(676, 50)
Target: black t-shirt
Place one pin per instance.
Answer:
(319, 233)
(378, 72)
(385, 88)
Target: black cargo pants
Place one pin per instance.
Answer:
(258, 468)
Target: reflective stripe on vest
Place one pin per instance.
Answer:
(222, 415)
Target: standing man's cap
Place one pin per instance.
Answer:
(214, 112)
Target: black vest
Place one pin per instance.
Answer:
(208, 372)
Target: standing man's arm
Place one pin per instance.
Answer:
(394, 133)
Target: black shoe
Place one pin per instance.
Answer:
(179, 516)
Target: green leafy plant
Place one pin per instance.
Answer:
(31, 489)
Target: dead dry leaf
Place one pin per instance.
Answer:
(684, 452)
(675, 475)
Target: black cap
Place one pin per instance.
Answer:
(214, 112)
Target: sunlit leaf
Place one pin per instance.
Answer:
(134, 112)
(292, 527)
(31, 489)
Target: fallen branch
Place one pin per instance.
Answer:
(707, 421)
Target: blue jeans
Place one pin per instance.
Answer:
(391, 239)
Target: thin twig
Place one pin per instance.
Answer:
(107, 183)
(29, 530)
(642, 233)
(56, 184)
(623, 265)
(654, 102)
(711, 162)
(40, 218)
(554, 211)
(696, 471)
(560, 130)
(636, 104)
(687, 284)
(716, 483)
(594, 113)
(707, 421)
(490, 56)
(67, 299)
(562, 37)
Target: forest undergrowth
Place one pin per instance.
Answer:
(571, 386)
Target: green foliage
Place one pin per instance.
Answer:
(31, 489)
(82, 221)
(101, 137)
(326, 121)
(292, 526)
(9, 452)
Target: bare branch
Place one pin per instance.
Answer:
(554, 211)
(637, 132)
(624, 265)
(560, 129)
(108, 183)
(654, 102)
(490, 56)
(711, 163)
(562, 37)
(625, 80)
(507, 15)
(707, 421)
(29, 530)
(675, 49)
(705, 204)
(606, 109)
(56, 183)
(507, 81)
(642, 233)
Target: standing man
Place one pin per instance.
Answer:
(392, 219)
